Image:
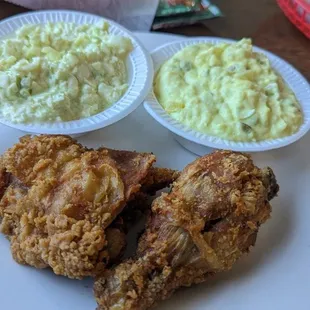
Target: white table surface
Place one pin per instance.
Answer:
(275, 275)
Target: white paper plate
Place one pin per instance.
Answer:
(275, 274)
(292, 77)
(139, 65)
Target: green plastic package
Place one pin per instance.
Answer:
(173, 13)
(173, 7)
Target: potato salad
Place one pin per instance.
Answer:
(228, 91)
(61, 72)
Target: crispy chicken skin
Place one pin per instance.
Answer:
(59, 200)
(159, 178)
(3, 179)
(204, 225)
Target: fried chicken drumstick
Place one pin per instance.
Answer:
(58, 201)
(204, 225)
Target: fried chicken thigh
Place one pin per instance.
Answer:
(59, 201)
(203, 226)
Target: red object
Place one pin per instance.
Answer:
(298, 12)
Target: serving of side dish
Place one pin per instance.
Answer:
(139, 70)
(199, 142)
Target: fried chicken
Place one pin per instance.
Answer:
(60, 200)
(203, 226)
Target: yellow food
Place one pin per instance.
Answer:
(61, 72)
(227, 91)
